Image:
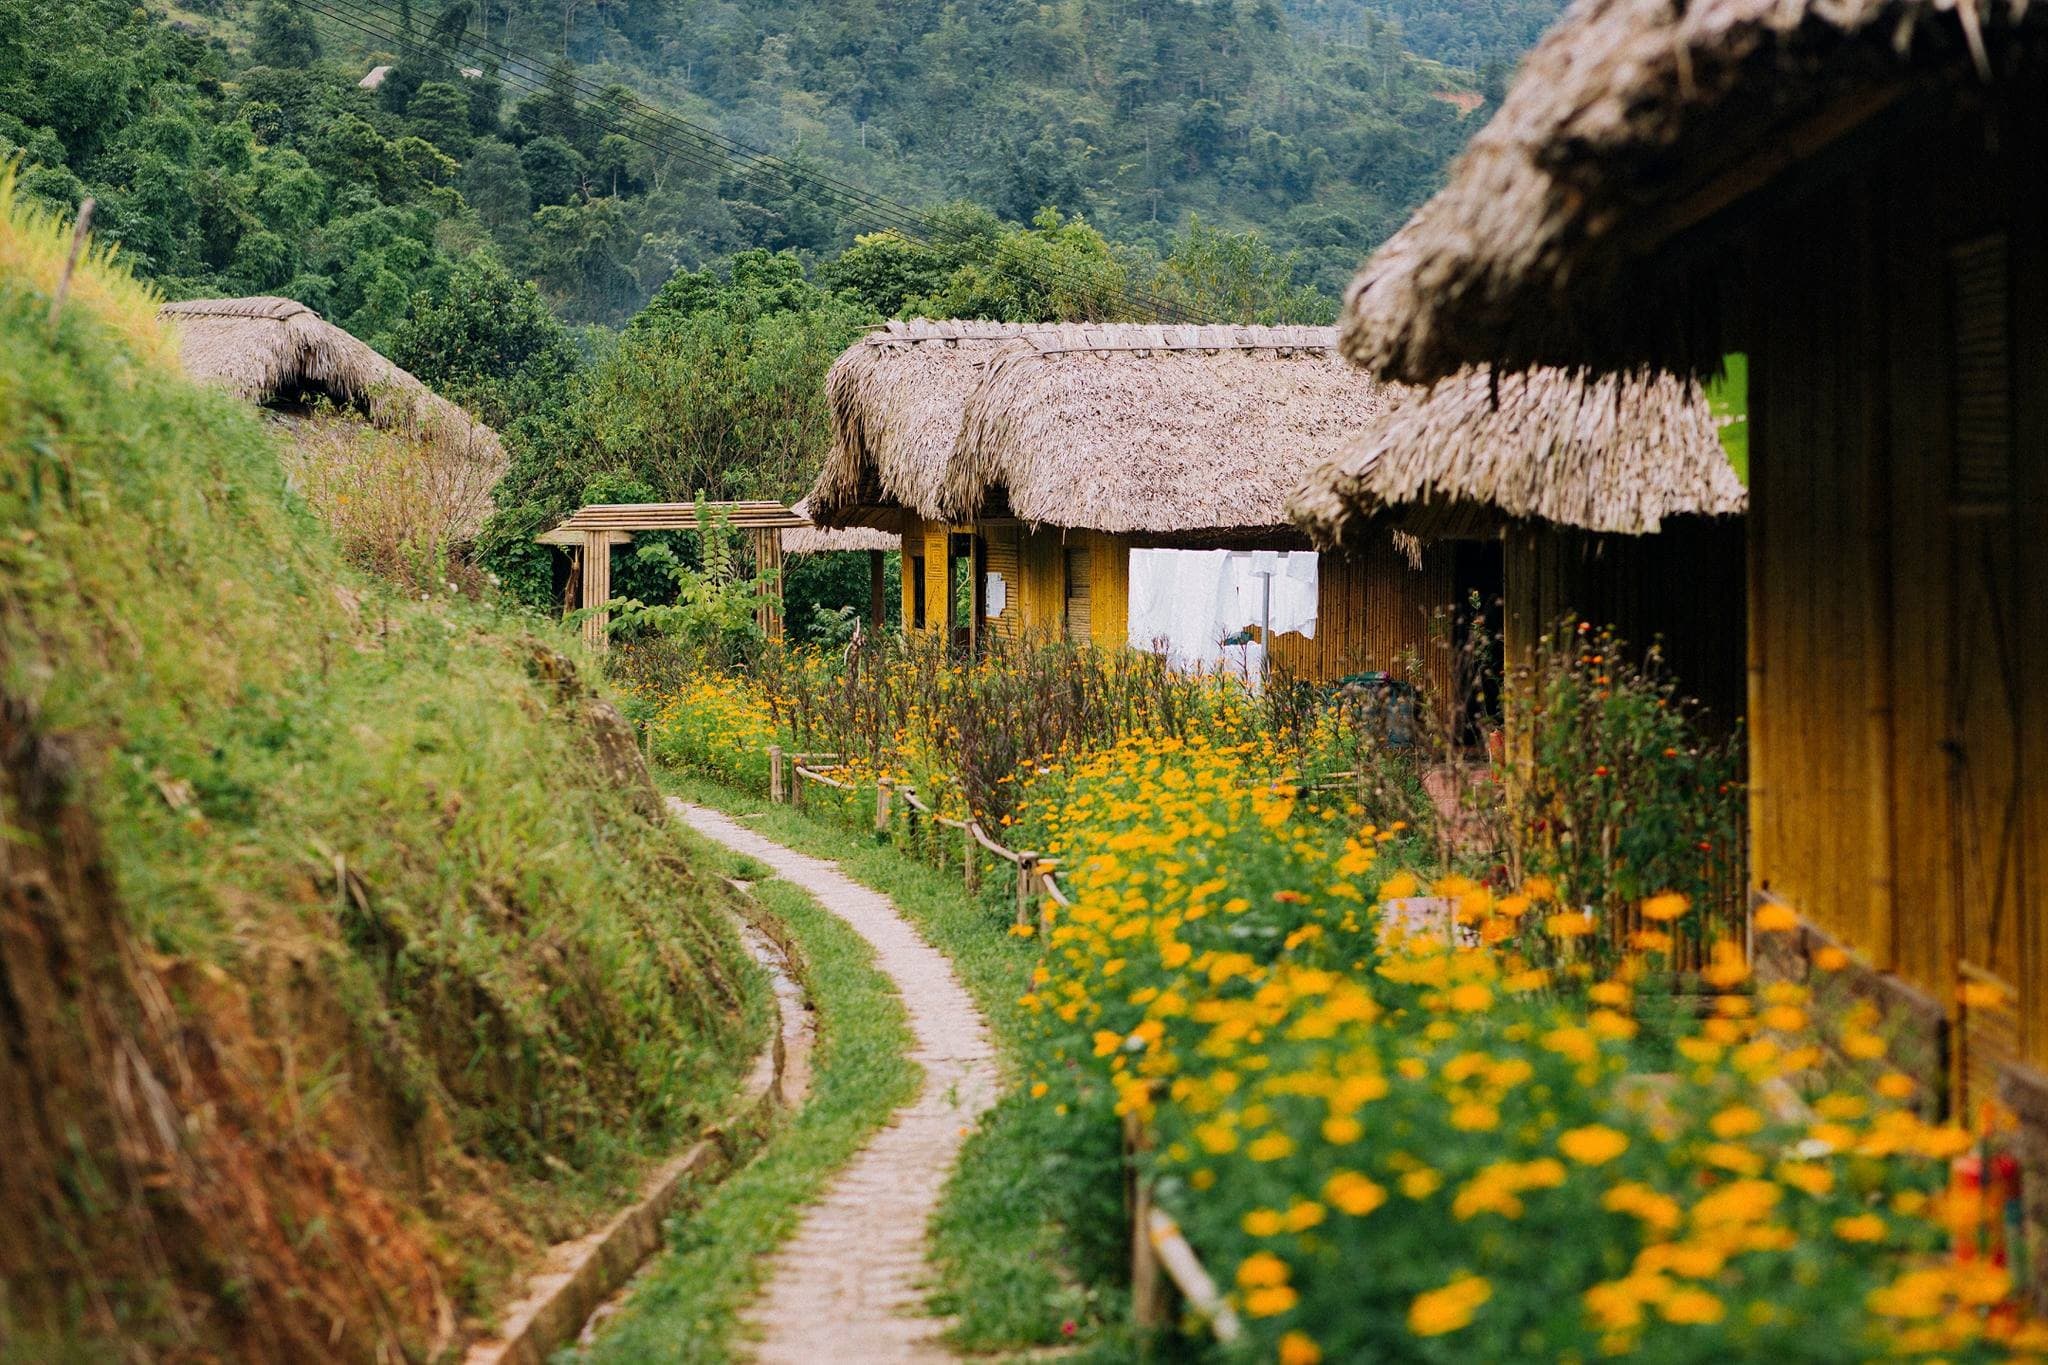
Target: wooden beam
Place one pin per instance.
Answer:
(878, 611)
(597, 587)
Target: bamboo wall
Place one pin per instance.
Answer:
(1374, 614)
(1898, 561)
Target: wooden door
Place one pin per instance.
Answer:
(1078, 625)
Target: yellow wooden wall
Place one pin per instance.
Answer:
(1374, 612)
(1898, 571)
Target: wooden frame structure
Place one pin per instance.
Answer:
(591, 533)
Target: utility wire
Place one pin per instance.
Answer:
(704, 147)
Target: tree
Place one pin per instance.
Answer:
(1236, 277)
(488, 341)
(554, 169)
(284, 36)
(439, 112)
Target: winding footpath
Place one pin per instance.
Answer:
(847, 1285)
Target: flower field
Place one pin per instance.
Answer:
(1404, 1110)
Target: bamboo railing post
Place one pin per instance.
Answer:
(796, 781)
(969, 873)
(1027, 884)
(882, 809)
(1151, 1290)
(775, 774)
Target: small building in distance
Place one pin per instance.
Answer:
(1850, 196)
(283, 356)
(1612, 498)
(1031, 462)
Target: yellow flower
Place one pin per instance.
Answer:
(1353, 1193)
(1862, 1046)
(1774, 917)
(1340, 1129)
(1400, 886)
(1668, 906)
(1263, 1223)
(1568, 924)
(1473, 1116)
(1261, 1270)
(1658, 1211)
(1420, 1184)
(1691, 1305)
(1470, 997)
(1438, 1311)
(1730, 1156)
(1270, 1147)
(1829, 958)
(1298, 1348)
(1267, 1303)
(1611, 993)
(1896, 1085)
(1863, 1227)
(1304, 1214)
(1738, 1201)
(1593, 1145)
(1809, 1176)
(1737, 1120)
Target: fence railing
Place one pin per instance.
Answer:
(1163, 1262)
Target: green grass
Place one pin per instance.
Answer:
(449, 982)
(1028, 1238)
(687, 1308)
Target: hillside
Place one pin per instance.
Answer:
(235, 152)
(344, 956)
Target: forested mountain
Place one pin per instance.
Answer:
(232, 148)
(1480, 35)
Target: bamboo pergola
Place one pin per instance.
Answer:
(592, 531)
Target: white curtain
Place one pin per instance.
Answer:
(1186, 603)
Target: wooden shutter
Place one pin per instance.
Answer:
(1983, 688)
(1980, 334)
(999, 556)
(1077, 621)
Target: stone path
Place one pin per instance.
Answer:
(846, 1287)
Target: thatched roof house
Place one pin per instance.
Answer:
(1618, 453)
(1024, 464)
(1632, 126)
(1849, 195)
(279, 352)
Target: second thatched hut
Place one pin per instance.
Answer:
(1027, 465)
(1611, 497)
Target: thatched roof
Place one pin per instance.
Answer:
(1618, 453)
(1149, 430)
(1174, 432)
(269, 350)
(1629, 127)
(814, 540)
(897, 396)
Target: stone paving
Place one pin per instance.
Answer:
(848, 1285)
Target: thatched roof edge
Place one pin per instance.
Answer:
(1614, 453)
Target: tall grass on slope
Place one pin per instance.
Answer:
(341, 961)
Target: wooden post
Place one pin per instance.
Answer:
(969, 873)
(597, 586)
(796, 782)
(882, 809)
(1151, 1291)
(910, 821)
(775, 774)
(78, 232)
(1027, 882)
(878, 607)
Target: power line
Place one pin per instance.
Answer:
(703, 147)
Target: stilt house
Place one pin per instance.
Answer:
(1852, 196)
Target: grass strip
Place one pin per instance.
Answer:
(686, 1308)
(1028, 1239)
